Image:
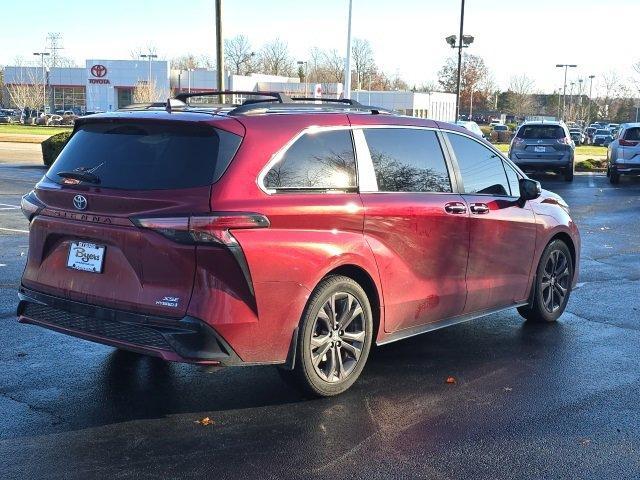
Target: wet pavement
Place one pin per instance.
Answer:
(530, 401)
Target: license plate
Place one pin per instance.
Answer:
(87, 257)
(539, 149)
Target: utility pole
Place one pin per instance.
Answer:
(591, 77)
(581, 114)
(219, 51)
(347, 63)
(44, 80)
(571, 100)
(564, 89)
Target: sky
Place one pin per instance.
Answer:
(514, 37)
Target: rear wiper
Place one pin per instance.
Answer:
(81, 175)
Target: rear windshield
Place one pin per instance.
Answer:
(603, 132)
(139, 156)
(632, 134)
(541, 132)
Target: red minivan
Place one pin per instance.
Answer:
(287, 232)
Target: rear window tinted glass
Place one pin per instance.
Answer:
(539, 132)
(603, 132)
(407, 160)
(632, 134)
(139, 156)
(319, 160)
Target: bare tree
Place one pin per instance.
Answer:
(363, 61)
(148, 50)
(275, 59)
(28, 93)
(238, 55)
(520, 100)
(147, 92)
(333, 65)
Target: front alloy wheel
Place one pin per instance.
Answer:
(334, 338)
(552, 285)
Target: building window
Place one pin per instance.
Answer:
(69, 98)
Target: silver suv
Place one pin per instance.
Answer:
(623, 154)
(543, 146)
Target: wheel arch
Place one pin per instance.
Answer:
(362, 277)
(568, 241)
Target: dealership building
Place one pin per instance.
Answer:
(104, 85)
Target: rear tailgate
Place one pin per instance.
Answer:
(83, 243)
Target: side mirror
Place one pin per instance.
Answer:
(529, 189)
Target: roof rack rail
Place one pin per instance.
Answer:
(275, 96)
(143, 106)
(347, 101)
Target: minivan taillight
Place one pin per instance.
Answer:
(30, 205)
(564, 141)
(628, 143)
(206, 229)
(213, 229)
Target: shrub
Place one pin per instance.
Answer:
(52, 147)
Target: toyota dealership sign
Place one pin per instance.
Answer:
(98, 72)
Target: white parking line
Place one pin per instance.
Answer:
(9, 205)
(13, 230)
(9, 208)
(592, 183)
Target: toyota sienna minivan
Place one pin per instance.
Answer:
(285, 231)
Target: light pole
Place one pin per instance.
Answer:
(559, 91)
(571, 100)
(580, 115)
(347, 63)
(44, 80)
(303, 64)
(564, 88)
(463, 41)
(219, 51)
(591, 77)
(150, 56)
(189, 70)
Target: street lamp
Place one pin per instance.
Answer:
(464, 42)
(44, 80)
(303, 64)
(564, 88)
(150, 56)
(189, 70)
(580, 115)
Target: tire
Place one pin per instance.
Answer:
(553, 276)
(568, 175)
(614, 177)
(334, 371)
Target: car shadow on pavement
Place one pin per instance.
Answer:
(130, 387)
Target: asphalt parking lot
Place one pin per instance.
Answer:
(529, 402)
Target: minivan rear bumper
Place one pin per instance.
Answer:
(187, 340)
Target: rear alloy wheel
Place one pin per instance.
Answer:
(552, 284)
(334, 337)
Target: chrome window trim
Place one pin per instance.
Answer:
(276, 157)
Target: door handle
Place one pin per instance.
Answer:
(479, 208)
(455, 208)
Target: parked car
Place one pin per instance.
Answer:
(9, 115)
(471, 126)
(577, 135)
(500, 127)
(544, 146)
(623, 153)
(603, 137)
(589, 132)
(240, 236)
